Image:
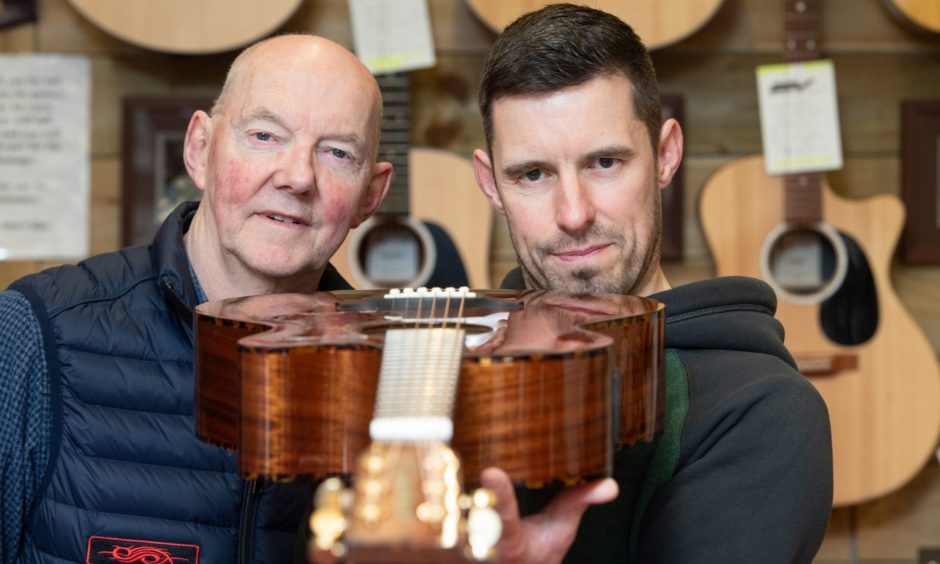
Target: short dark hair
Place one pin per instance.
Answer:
(564, 45)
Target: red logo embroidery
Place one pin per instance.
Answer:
(105, 550)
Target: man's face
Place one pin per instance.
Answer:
(575, 174)
(288, 165)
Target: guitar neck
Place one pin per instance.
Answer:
(417, 385)
(800, 30)
(396, 139)
(802, 191)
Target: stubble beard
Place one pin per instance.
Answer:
(631, 272)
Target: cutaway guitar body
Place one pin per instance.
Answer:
(852, 338)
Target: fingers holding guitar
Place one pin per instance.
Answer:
(406, 504)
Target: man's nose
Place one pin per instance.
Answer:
(574, 204)
(296, 171)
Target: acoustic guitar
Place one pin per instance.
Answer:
(410, 394)
(828, 259)
(186, 26)
(289, 380)
(434, 226)
(659, 24)
(923, 14)
(407, 494)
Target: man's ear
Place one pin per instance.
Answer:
(375, 193)
(196, 147)
(670, 151)
(486, 180)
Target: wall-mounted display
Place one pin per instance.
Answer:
(14, 12)
(920, 180)
(155, 178)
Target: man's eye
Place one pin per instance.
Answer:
(605, 162)
(533, 175)
(263, 136)
(339, 153)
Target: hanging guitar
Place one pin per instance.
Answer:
(659, 24)
(433, 228)
(828, 259)
(187, 27)
(549, 385)
(921, 14)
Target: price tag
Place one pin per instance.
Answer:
(392, 36)
(799, 117)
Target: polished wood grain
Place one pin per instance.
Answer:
(658, 24)
(885, 406)
(535, 398)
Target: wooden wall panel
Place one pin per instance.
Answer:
(721, 107)
(19, 39)
(893, 526)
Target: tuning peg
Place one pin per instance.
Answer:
(327, 522)
(484, 526)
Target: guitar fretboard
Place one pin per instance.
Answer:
(417, 384)
(801, 30)
(396, 139)
(802, 192)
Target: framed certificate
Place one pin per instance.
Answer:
(155, 180)
(920, 181)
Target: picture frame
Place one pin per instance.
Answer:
(671, 245)
(154, 176)
(13, 12)
(920, 181)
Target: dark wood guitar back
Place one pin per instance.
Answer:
(547, 379)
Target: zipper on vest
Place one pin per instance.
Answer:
(246, 529)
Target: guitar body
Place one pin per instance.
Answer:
(883, 394)
(924, 14)
(289, 380)
(445, 198)
(658, 23)
(187, 27)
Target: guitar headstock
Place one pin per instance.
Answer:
(406, 504)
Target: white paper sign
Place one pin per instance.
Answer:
(799, 117)
(44, 156)
(392, 36)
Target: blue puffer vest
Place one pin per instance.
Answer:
(128, 481)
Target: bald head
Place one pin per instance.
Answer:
(298, 53)
(287, 164)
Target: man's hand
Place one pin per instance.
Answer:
(545, 537)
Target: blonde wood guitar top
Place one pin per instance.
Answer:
(442, 189)
(922, 13)
(187, 26)
(885, 412)
(658, 22)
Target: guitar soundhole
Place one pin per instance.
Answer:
(391, 255)
(804, 264)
